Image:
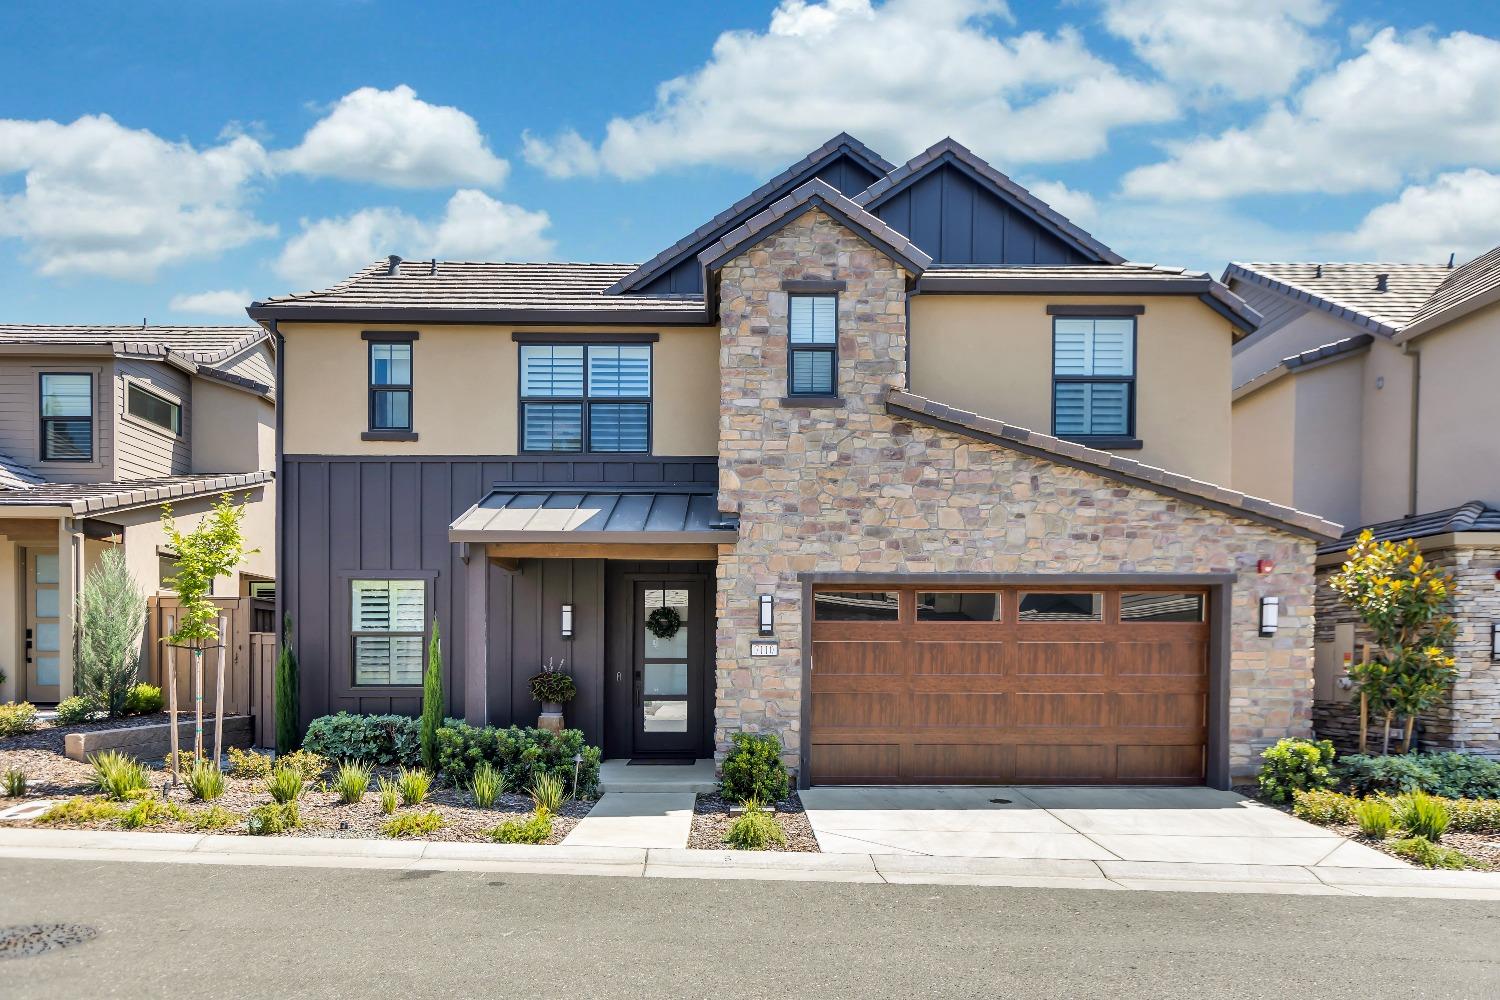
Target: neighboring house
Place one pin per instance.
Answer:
(786, 428)
(100, 426)
(1367, 395)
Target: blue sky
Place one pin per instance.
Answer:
(167, 160)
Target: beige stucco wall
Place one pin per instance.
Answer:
(1327, 459)
(1459, 431)
(465, 385)
(1264, 424)
(1385, 418)
(144, 536)
(993, 354)
(233, 430)
(1260, 352)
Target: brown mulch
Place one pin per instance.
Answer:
(711, 819)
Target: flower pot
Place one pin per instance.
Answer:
(551, 717)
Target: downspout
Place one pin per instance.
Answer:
(1416, 426)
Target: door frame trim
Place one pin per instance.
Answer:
(1220, 587)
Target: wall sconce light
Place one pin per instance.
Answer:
(567, 621)
(1495, 641)
(1270, 610)
(766, 625)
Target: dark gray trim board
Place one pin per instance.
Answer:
(1135, 309)
(812, 286)
(523, 337)
(391, 336)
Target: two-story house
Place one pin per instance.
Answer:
(874, 459)
(1366, 395)
(100, 426)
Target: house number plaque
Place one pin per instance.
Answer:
(764, 647)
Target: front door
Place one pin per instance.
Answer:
(43, 626)
(668, 667)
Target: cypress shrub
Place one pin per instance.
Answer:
(288, 695)
(432, 701)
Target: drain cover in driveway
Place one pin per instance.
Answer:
(26, 940)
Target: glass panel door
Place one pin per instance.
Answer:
(43, 627)
(667, 668)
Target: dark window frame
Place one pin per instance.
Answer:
(832, 350)
(1127, 439)
(425, 634)
(133, 385)
(584, 401)
(373, 430)
(43, 419)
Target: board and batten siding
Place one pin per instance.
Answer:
(351, 517)
(144, 450)
(20, 416)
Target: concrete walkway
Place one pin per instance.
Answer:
(406, 855)
(635, 819)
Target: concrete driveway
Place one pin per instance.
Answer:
(1178, 825)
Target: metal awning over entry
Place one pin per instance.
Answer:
(522, 520)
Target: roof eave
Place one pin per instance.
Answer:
(1353, 317)
(1447, 315)
(330, 313)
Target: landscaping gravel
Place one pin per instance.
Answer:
(711, 819)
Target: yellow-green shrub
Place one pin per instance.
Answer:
(418, 824)
(1323, 807)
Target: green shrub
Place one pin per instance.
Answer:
(186, 761)
(432, 700)
(309, 765)
(151, 812)
(1295, 765)
(249, 764)
(486, 785)
(350, 782)
(273, 818)
(554, 686)
(381, 740)
(754, 830)
(1474, 815)
(144, 699)
(17, 718)
(1422, 815)
(15, 783)
(390, 796)
(413, 784)
(81, 810)
(287, 693)
(285, 785)
(1450, 775)
(72, 711)
(205, 781)
(1375, 818)
(753, 769)
(1323, 807)
(1421, 851)
(548, 793)
(520, 755)
(119, 775)
(534, 829)
(413, 824)
(213, 818)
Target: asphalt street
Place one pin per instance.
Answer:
(185, 931)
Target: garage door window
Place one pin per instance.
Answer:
(1161, 606)
(1061, 607)
(856, 606)
(954, 606)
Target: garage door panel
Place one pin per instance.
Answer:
(1035, 658)
(1075, 710)
(1164, 657)
(1161, 763)
(855, 657)
(1064, 763)
(869, 711)
(952, 658)
(992, 764)
(966, 709)
(1147, 710)
(853, 764)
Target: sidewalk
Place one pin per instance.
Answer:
(632, 862)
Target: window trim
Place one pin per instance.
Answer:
(133, 382)
(352, 636)
(1128, 440)
(41, 396)
(831, 394)
(372, 432)
(586, 341)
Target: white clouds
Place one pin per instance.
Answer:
(900, 76)
(221, 302)
(1078, 206)
(392, 137)
(1455, 213)
(123, 203)
(1224, 47)
(1406, 105)
(473, 226)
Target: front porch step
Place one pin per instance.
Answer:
(618, 776)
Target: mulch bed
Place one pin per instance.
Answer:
(711, 819)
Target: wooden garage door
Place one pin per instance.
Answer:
(1025, 685)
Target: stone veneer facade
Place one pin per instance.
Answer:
(851, 489)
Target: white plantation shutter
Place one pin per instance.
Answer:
(1098, 349)
(551, 370)
(1072, 347)
(1113, 347)
(390, 620)
(812, 319)
(619, 372)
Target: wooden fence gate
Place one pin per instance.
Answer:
(249, 659)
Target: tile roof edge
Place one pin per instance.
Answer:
(1298, 293)
(1313, 357)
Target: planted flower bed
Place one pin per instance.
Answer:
(755, 808)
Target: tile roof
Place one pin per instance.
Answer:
(935, 414)
(625, 514)
(16, 476)
(1313, 356)
(193, 343)
(1350, 291)
(238, 381)
(95, 498)
(1476, 515)
(1469, 287)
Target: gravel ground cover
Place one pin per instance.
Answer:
(711, 819)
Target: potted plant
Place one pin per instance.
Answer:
(553, 689)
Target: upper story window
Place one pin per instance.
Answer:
(67, 417)
(586, 397)
(812, 355)
(390, 385)
(1093, 377)
(146, 405)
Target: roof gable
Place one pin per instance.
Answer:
(1471, 287)
(964, 212)
(843, 162)
(1350, 292)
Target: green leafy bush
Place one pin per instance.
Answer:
(285, 785)
(1295, 765)
(17, 718)
(80, 810)
(350, 782)
(554, 686)
(72, 711)
(119, 775)
(205, 781)
(1474, 815)
(144, 699)
(486, 785)
(753, 769)
(309, 765)
(1422, 815)
(382, 740)
(213, 818)
(1421, 851)
(413, 783)
(15, 783)
(149, 812)
(186, 761)
(534, 829)
(413, 824)
(754, 830)
(1375, 818)
(520, 755)
(249, 764)
(1450, 775)
(1324, 807)
(547, 793)
(273, 818)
